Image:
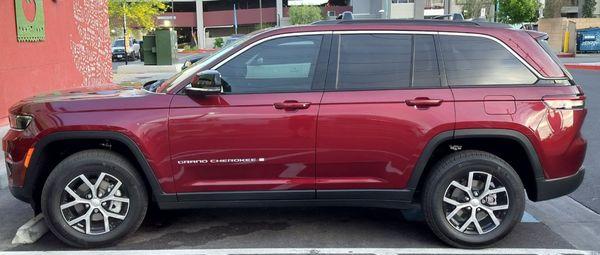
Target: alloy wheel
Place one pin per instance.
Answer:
(475, 204)
(94, 204)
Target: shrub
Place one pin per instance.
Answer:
(219, 42)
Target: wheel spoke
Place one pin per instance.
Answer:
(455, 211)
(88, 183)
(476, 222)
(78, 219)
(88, 222)
(498, 207)
(72, 203)
(72, 193)
(462, 187)
(470, 181)
(492, 216)
(120, 199)
(99, 180)
(114, 189)
(451, 201)
(112, 215)
(466, 224)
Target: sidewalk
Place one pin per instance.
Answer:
(583, 62)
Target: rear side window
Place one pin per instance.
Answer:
(473, 61)
(386, 61)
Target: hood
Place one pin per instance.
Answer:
(88, 93)
(112, 97)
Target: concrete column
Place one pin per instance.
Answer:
(419, 9)
(279, 5)
(200, 24)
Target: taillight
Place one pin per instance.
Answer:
(565, 102)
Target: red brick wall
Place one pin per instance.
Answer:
(76, 51)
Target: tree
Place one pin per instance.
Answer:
(517, 11)
(588, 8)
(304, 14)
(140, 13)
(472, 8)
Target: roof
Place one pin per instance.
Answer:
(419, 22)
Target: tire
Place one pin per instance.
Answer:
(123, 217)
(446, 205)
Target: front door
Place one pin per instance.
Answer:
(259, 134)
(382, 104)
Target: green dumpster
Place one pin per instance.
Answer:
(149, 49)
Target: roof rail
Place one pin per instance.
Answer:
(425, 22)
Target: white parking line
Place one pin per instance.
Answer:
(292, 251)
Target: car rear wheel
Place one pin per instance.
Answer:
(93, 198)
(473, 199)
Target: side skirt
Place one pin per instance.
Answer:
(400, 199)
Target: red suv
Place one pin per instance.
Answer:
(462, 118)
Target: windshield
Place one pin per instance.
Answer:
(169, 84)
(119, 43)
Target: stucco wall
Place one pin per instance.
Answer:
(556, 28)
(75, 52)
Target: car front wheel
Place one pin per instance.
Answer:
(93, 198)
(473, 199)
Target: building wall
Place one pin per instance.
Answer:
(75, 52)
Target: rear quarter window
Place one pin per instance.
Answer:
(479, 61)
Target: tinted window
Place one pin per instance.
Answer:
(278, 65)
(426, 70)
(384, 61)
(481, 61)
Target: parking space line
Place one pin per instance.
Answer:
(292, 251)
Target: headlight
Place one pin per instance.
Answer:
(19, 122)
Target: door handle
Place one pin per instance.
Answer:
(423, 102)
(290, 105)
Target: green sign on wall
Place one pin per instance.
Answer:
(30, 31)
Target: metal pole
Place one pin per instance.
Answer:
(125, 31)
(261, 16)
(235, 23)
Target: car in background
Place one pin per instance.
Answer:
(233, 38)
(120, 52)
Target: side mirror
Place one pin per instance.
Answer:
(205, 83)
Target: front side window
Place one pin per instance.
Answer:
(386, 61)
(475, 61)
(280, 65)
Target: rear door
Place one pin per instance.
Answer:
(383, 102)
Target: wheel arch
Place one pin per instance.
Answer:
(438, 147)
(42, 163)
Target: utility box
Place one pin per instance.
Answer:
(166, 46)
(149, 50)
(588, 40)
(160, 48)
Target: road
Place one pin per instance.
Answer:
(300, 227)
(588, 193)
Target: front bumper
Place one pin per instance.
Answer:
(549, 189)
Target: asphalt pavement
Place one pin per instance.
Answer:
(588, 193)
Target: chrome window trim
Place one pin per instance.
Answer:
(264, 40)
(498, 41)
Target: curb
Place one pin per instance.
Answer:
(584, 66)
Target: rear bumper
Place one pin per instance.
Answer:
(549, 189)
